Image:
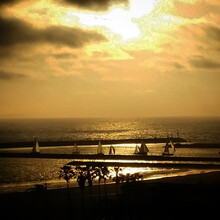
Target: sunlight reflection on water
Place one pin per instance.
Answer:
(20, 171)
(194, 129)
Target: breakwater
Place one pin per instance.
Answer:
(198, 145)
(89, 142)
(127, 160)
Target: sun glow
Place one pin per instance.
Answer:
(140, 25)
(120, 21)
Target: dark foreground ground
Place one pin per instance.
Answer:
(194, 196)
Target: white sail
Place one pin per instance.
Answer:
(100, 151)
(75, 149)
(172, 146)
(136, 150)
(111, 150)
(36, 148)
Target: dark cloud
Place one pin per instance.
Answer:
(5, 53)
(213, 32)
(14, 32)
(84, 4)
(10, 2)
(64, 56)
(203, 63)
(69, 36)
(178, 66)
(10, 76)
(94, 4)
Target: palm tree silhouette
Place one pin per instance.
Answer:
(67, 173)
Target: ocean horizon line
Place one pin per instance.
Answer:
(109, 117)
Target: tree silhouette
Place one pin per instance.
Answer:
(67, 173)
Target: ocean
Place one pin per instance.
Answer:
(189, 128)
(19, 171)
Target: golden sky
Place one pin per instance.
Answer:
(109, 58)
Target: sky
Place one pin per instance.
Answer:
(109, 58)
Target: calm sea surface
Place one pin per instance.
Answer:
(192, 129)
(23, 171)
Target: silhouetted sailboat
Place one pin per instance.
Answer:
(111, 150)
(142, 150)
(75, 149)
(137, 149)
(99, 150)
(172, 146)
(167, 151)
(36, 148)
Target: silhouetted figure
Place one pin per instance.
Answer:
(89, 177)
(117, 179)
(81, 181)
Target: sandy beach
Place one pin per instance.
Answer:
(196, 195)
